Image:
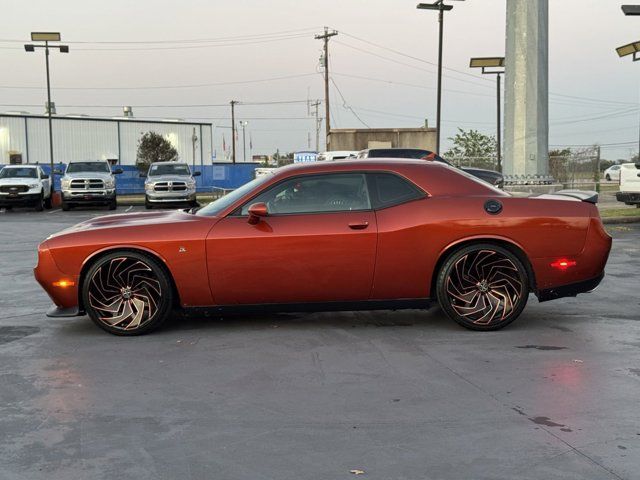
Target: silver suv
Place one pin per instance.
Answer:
(170, 183)
(89, 183)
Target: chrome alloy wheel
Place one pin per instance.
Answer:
(124, 293)
(483, 287)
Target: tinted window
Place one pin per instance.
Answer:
(77, 167)
(388, 189)
(398, 153)
(316, 193)
(17, 172)
(169, 169)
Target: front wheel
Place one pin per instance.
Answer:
(40, 203)
(127, 293)
(608, 177)
(48, 203)
(483, 287)
(113, 204)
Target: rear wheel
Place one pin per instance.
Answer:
(483, 287)
(127, 293)
(47, 203)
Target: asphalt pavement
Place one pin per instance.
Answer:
(396, 395)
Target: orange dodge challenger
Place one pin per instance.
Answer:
(350, 235)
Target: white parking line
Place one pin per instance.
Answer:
(128, 209)
(54, 211)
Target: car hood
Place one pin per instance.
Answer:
(18, 181)
(168, 178)
(83, 175)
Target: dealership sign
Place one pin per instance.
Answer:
(305, 157)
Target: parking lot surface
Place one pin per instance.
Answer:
(397, 395)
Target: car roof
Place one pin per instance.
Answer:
(21, 166)
(87, 161)
(170, 163)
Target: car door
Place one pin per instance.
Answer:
(317, 244)
(46, 188)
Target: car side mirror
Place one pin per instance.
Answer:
(256, 212)
(117, 171)
(45, 177)
(196, 174)
(142, 175)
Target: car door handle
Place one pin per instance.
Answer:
(358, 225)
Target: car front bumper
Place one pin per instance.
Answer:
(19, 199)
(88, 196)
(171, 197)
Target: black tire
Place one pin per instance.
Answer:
(48, 204)
(65, 206)
(483, 287)
(608, 177)
(194, 204)
(113, 204)
(40, 203)
(127, 293)
(147, 203)
(8, 207)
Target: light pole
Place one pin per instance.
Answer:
(47, 37)
(493, 63)
(243, 124)
(634, 50)
(441, 7)
(631, 49)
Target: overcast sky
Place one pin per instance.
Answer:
(594, 94)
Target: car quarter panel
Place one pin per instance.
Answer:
(413, 236)
(177, 238)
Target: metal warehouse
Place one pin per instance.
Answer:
(24, 138)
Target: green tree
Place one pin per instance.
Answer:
(153, 147)
(471, 144)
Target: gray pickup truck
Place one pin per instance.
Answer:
(170, 183)
(89, 183)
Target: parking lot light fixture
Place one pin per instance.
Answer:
(441, 7)
(631, 10)
(629, 49)
(493, 66)
(47, 37)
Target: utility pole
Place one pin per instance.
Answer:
(325, 38)
(316, 106)
(233, 131)
(243, 124)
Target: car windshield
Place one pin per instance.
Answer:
(169, 169)
(217, 206)
(77, 167)
(18, 173)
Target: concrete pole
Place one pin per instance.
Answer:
(526, 129)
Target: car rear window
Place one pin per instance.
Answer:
(388, 189)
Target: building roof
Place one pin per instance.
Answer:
(102, 119)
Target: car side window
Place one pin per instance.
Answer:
(335, 192)
(388, 189)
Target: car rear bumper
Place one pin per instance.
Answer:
(570, 290)
(628, 197)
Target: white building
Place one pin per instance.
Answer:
(24, 138)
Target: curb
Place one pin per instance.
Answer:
(619, 220)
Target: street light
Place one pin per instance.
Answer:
(493, 63)
(47, 37)
(441, 7)
(631, 10)
(629, 49)
(243, 124)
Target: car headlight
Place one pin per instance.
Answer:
(33, 185)
(66, 182)
(148, 187)
(110, 183)
(191, 184)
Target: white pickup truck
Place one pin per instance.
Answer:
(24, 185)
(629, 184)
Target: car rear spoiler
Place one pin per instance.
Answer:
(582, 195)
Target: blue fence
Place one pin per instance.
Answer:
(227, 176)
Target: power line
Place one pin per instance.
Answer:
(278, 102)
(346, 105)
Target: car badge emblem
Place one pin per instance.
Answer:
(182, 250)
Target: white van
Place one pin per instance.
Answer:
(629, 184)
(335, 155)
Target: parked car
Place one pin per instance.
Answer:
(494, 178)
(629, 184)
(612, 173)
(170, 183)
(348, 235)
(89, 183)
(336, 155)
(24, 185)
